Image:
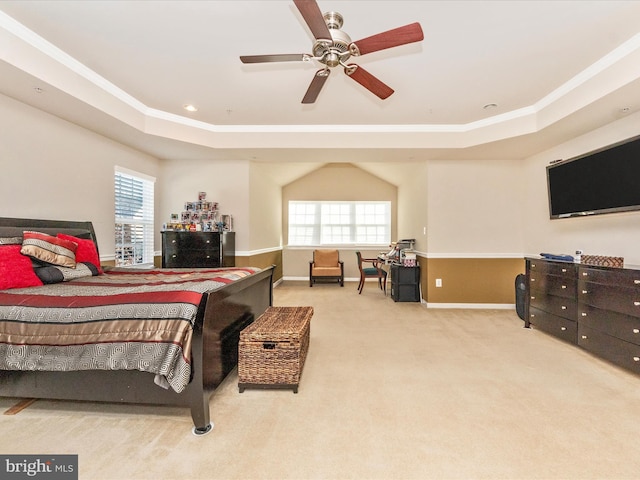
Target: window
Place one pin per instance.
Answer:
(339, 223)
(134, 218)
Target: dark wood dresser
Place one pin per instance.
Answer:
(552, 298)
(596, 308)
(198, 249)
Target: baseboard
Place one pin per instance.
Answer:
(306, 279)
(479, 306)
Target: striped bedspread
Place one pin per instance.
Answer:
(123, 320)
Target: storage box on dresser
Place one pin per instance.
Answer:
(609, 314)
(552, 298)
(198, 249)
(273, 349)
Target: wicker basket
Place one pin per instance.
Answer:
(273, 349)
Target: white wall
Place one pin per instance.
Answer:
(613, 234)
(474, 208)
(413, 205)
(265, 209)
(53, 169)
(224, 182)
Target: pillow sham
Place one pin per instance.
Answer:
(10, 240)
(49, 249)
(15, 269)
(86, 251)
(54, 274)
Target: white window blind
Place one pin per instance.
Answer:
(339, 223)
(134, 218)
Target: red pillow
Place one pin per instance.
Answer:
(15, 269)
(86, 251)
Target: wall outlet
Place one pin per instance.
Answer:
(438, 282)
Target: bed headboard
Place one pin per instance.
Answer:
(13, 227)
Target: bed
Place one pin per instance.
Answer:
(93, 333)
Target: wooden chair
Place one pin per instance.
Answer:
(375, 271)
(326, 266)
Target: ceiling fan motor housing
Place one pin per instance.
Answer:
(331, 54)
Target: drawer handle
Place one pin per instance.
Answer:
(563, 328)
(584, 337)
(208, 241)
(585, 292)
(636, 304)
(208, 256)
(173, 241)
(584, 314)
(532, 315)
(636, 282)
(533, 298)
(533, 265)
(564, 270)
(585, 274)
(636, 330)
(564, 286)
(533, 279)
(173, 256)
(636, 359)
(563, 307)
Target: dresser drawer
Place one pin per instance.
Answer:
(191, 259)
(560, 327)
(610, 297)
(192, 241)
(553, 268)
(560, 306)
(615, 324)
(624, 354)
(562, 286)
(612, 276)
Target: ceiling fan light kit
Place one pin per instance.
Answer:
(333, 47)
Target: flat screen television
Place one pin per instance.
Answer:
(603, 181)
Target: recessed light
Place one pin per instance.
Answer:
(489, 106)
(625, 110)
(38, 89)
(190, 108)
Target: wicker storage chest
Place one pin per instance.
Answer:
(273, 349)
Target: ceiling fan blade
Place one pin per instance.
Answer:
(368, 81)
(391, 38)
(316, 85)
(283, 57)
(311, 13)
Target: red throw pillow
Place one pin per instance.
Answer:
(86, 251)
(15, 269)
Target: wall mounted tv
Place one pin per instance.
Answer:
(603, 181)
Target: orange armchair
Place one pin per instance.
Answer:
(326, 266)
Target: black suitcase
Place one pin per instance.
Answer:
(520, 291)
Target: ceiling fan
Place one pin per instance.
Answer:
(333, 47)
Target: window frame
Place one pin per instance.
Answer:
(141, 224)
(339, 224)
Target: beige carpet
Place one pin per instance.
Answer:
(389, 391)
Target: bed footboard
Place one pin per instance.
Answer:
(222, 314)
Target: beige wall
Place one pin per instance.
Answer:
(335, 181)
(53, 169)
(474, 210)
(614, 234)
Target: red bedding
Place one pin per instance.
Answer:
(124, 319)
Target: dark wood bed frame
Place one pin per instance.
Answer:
(222, 314)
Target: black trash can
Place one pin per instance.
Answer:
(520, 292)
